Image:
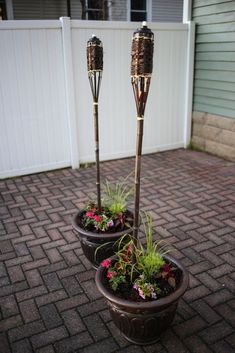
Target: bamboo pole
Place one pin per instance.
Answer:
(141, 70)
(95, 69)
(140, 129)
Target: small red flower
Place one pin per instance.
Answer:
(166, 268)
(106, 263)
(111, 274)
(89, 214)
(97, 218)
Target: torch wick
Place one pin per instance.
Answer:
(144, 24)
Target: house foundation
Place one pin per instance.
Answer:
(214, 134)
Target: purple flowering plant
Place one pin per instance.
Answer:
(148, 276)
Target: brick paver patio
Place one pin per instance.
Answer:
(49, 302)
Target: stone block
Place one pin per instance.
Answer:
(227, 138)
(215, 134)
(199, 117)
(220, 150)
(220, 122)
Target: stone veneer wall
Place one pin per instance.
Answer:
(214, 134)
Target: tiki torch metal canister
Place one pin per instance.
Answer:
(141, 70)
(95, 69)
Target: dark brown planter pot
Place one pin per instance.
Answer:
(143, 322)
(90, 242)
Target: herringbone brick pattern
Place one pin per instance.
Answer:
(48, 299)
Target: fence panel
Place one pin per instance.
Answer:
(45, 100)
(165, 116)
(34, 128)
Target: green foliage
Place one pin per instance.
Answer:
(117, 195)
(150, 258)
(93, 219)
(149, 263)
(193, 147)
(116, 280)
(87, 165)
(113, 209)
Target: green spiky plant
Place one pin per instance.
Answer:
(113, 207)
(117, 195)
(148, 267)
(151, 259)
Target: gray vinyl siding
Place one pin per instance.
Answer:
(167, 10)
(53, 9)
(76, 10)
(39, 9)
(119, 10)
(214, 84)
(162, 10)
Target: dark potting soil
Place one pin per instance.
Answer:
(126, 290)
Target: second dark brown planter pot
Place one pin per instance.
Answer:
(143, 322)
(106, 243)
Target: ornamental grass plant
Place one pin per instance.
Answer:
(113, 215)
(150, 276)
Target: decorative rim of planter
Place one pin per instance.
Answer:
(97, 236)
(150, 304)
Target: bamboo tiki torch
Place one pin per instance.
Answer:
(141, 70)
(95, 69)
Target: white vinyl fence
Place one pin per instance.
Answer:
(46, 117)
